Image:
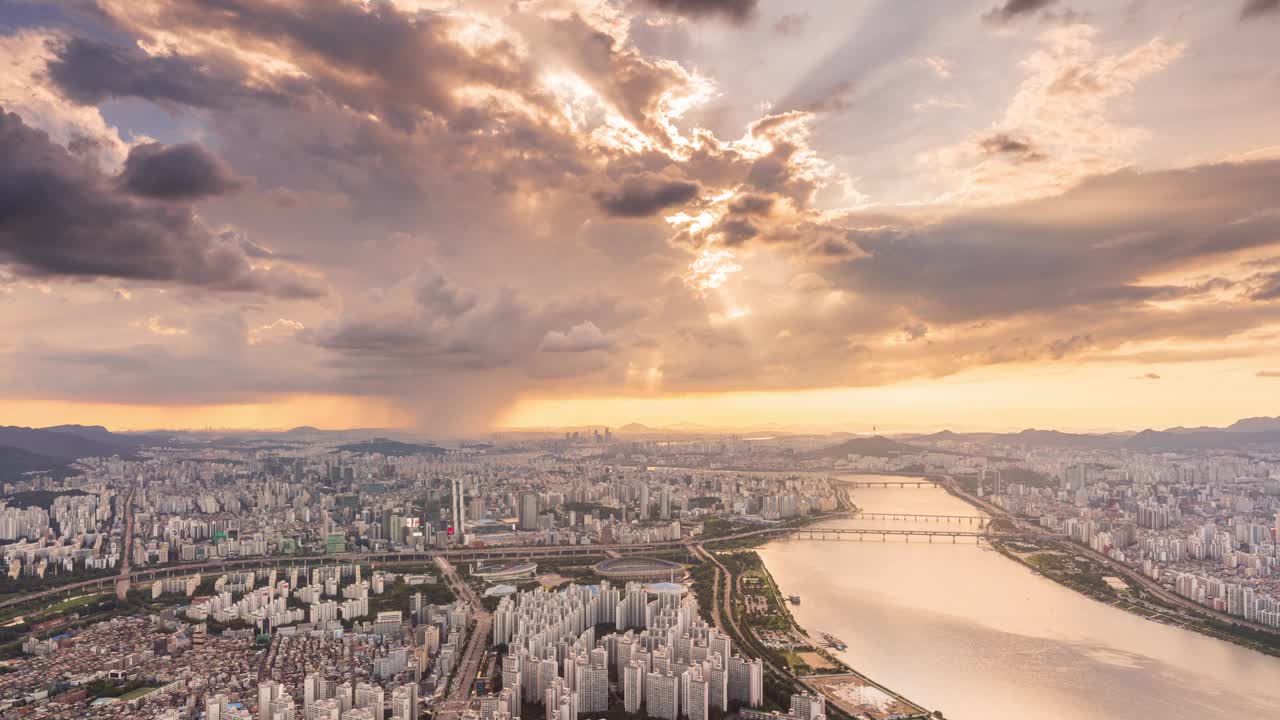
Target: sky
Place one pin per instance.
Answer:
(455, 216)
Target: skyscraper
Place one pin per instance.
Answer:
(459, 510)
(529, 510)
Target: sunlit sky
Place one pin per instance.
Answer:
(456, 216)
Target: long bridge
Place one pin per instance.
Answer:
(819, 533)
(979, 520)
(906, 482)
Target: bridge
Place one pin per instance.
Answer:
(860, 534)
(903, 483)
(979, 520)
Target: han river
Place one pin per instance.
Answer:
(962, 629)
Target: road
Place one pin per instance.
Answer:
(458, 695)
(383, 558)
(125, 580)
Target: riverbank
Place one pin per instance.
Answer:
(1136, 598)
(962, 629)
(793, 661)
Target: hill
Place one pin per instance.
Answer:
(393, 448)
(875, 446)
(14, 462)
(1255, 424)
(67, 442)
(1161, 441)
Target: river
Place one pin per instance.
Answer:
(962, 629)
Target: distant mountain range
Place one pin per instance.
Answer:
(53, 449)
(1243, 434)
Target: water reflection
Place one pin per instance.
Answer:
(962, 629)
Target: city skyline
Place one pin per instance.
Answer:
(455, 217)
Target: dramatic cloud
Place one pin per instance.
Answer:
(59, 216)
(176, 172)
(734, 10)
(1080, 248)
(1257, 8)
(374, 58)
(1013, 9)
(644, 195)
(603, 198)
(89, 72)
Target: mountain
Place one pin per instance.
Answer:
(1159, 441)
(302, 430)
(16, 461)
(635, 428)
(1255, 424)
(392, 448)
(24, 449)
(875, 446)
(68, 442)
(1056, 438)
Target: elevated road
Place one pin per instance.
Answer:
(465, 554)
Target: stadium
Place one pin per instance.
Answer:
(505, 571)
(644, 569)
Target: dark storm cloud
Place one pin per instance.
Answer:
(645, 195)
(736, 231)
(1089, 247)
(1014, 9)
(751, 205)
(1257, 8)
(371, 58)
(1017, 149)
(185, 171)
(60, 216)
(738, 11)
(89, 72)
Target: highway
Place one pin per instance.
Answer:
(125, 580)
(458, 694)
(374, 559)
